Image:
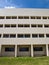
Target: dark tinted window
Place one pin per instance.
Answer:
(41, 35)
(7, 49)
(20, 35)
(20, 25)
(7, 25)
(1, 25)
(32, 17)
(26, 25)
(47, 35)
(27, 35)
(5, 35)
(38, 49)
(34, 35)
(14, 17)
(23, 49)
(12, 35)
(13, 25)
(8, 17)
(33, 25)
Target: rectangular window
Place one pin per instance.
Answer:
(2, 17)
(27, 35)
(9, 49)
(5, 35)
(32, 17)
(23, 49)
(12, 35)
(38, 48)
(41, 35)
(46, 25)
(47, 35)
(20, 17)
(33, 25)
(44, 17)
(40, 25)
(20, 25)
(38, 17)
(14, 17)
(20, 35)
(13, 25)
(1, 25)
(0, 35)
(8, 17)
(7, 25)
(34, 35)
(26, 17)
(26, 25)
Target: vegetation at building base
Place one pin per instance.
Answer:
(24, 61)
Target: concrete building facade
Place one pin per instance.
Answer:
(24, 32)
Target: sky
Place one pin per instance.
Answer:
(24, 3)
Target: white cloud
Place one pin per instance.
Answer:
(9, 3)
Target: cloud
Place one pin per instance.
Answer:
(9, 3)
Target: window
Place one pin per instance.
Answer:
(38, 48)
(32, 17)
(14, 17)
(20, 25)
(40, 25)
(20, 35)
(34, 35)
(33, 25)
(20, 17)
(38, 17)
(26, 17)
(47, 35)
(2, 17)
(12, 35)
(26, 25)
(7, 25)
(27, 35)
(46, 25)
(24, 49)
(0, 35)
(8, 17)
(5, 35)
(1, 25)
(44, 17)
(41, 35)
(13, 25)
(9, 49)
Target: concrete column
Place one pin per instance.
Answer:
(47, 49)
(31, 50)
(15, 50)
(0, 50)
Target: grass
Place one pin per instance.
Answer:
(24, 61)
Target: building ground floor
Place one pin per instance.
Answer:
(24, 50)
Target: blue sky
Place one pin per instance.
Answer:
(24, 3)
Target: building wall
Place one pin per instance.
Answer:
(29, 30)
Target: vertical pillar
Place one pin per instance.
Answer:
(0, 50)
(47, 49)
(31, 50)
(15, 50)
